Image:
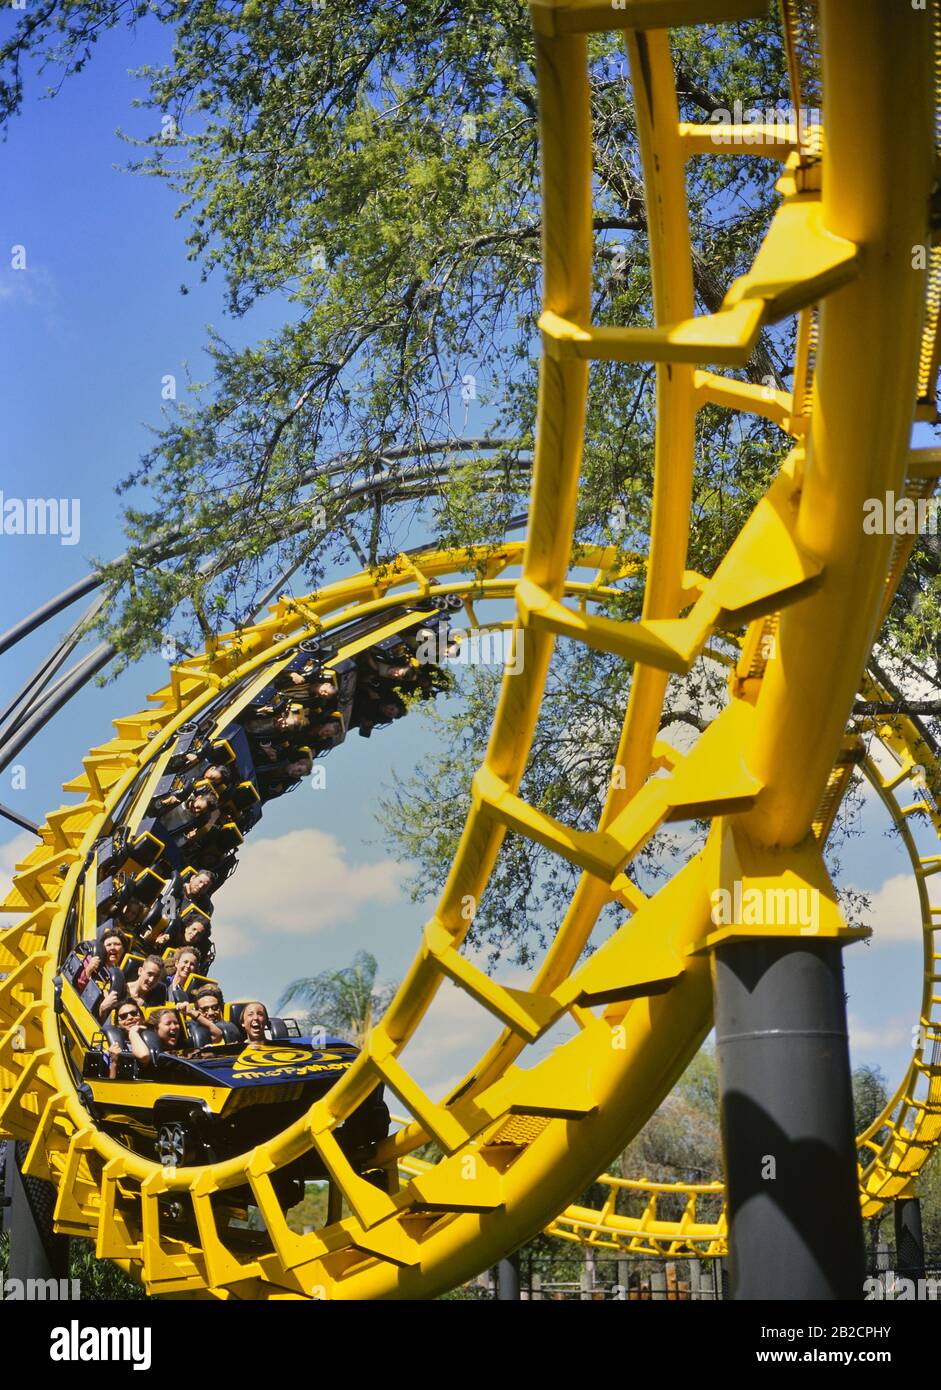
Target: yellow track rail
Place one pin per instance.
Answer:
(909, 1126)
(648, 1233)
(521, 1143)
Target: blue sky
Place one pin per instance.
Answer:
(88, 332)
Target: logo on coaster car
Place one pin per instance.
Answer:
(254, 1057)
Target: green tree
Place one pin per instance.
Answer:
(679, 1143)
(377, 170)
(929, 1190)
(342, 1001)
(870, 1095)
(311, 1212)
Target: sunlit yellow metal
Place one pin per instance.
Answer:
(521, 1143)
(650, 1232)
(903, 1136)
(906, 776)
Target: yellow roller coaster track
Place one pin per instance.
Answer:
(521, 1142)
(894, 1147)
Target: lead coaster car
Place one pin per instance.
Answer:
(201, 1109)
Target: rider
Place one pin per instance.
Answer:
(207, 1010)
(185, 962)
(254, 1021)
(128, 1017)
(104, 963)
(166, 1025)
(149, 987)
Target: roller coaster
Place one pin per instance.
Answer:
(792, 610)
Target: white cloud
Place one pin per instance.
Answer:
(298, 882)
(891, 1033)
(11, 854)
(455, 1033)
(231, 941)
(895, 914)
(34, 289)
(16, 287)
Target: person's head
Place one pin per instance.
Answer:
(294, 717)
(391, 711)
(184, 963)
(216, 775)
(328, 728)
(254, 1021)
(194, 932)
(130, 913)
(150, 974)
(300, 767)
(199, 882)
(111, 947)
(209, 1002)
(128, 1014)
(166, 1025)
(198, 802)
(323, 689)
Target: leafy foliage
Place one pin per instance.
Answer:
(376, 170)
(343, 1001)
(870, 1096)
(99, 1280)
(311, 1212)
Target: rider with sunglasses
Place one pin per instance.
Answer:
(128, 1018)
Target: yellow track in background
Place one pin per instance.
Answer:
(522, 1139)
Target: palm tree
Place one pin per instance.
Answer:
(343, 1002)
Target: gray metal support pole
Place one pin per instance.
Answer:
(508, 1279)
(589, 1273)
(909, 1239)
(68, 685)
(48, 610)
(35, 1251)
(22, 821)
(795, 1230)
(5, 1160)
